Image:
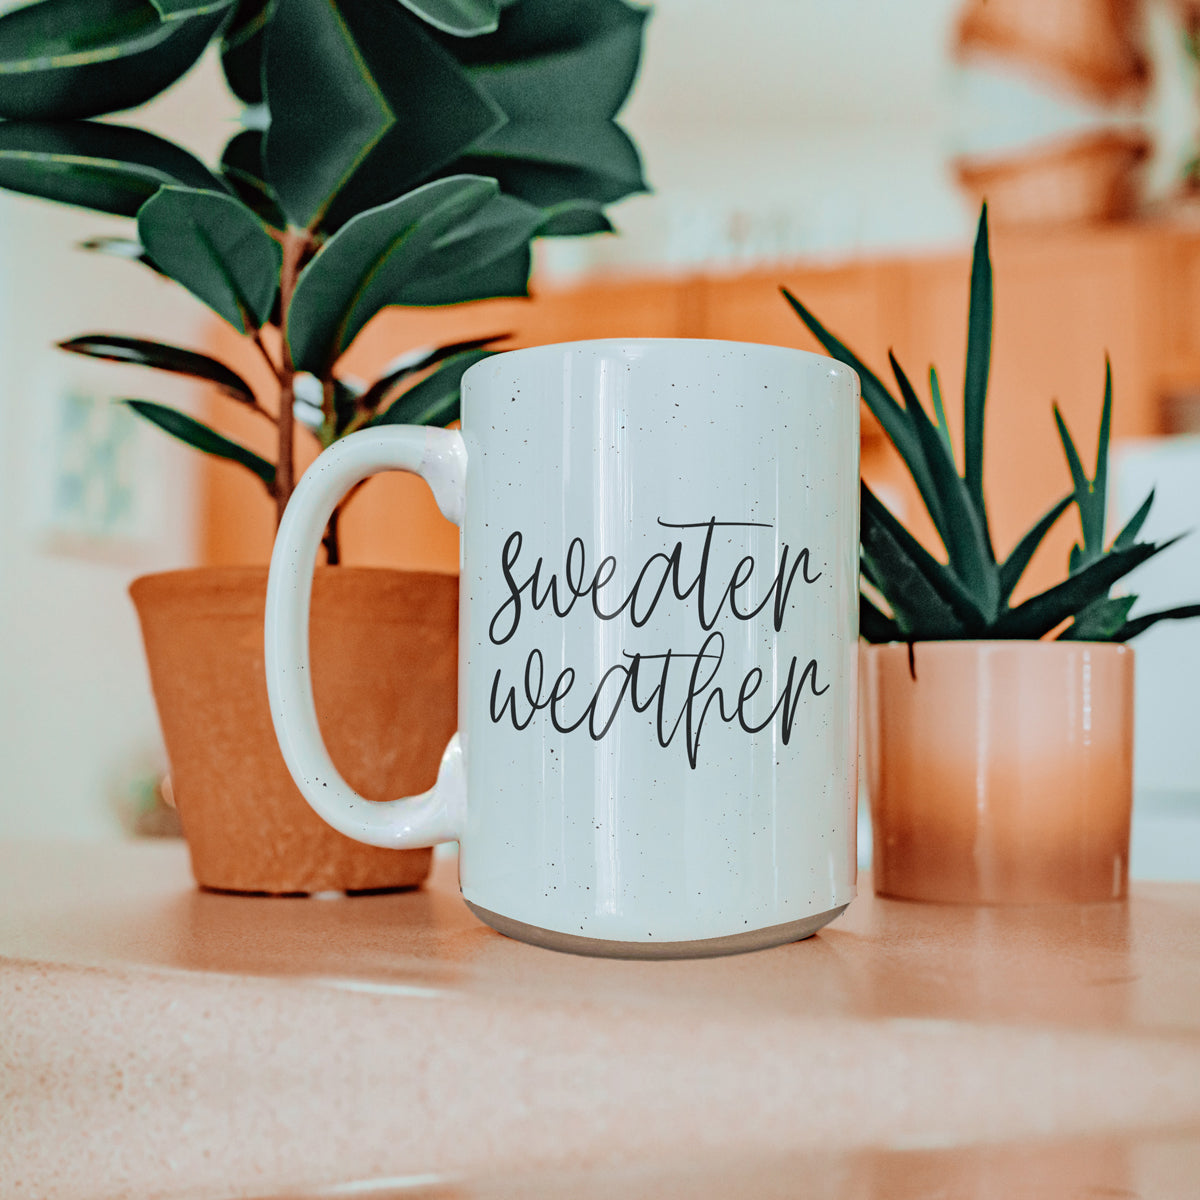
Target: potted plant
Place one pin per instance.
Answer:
(998, 734)
(394, 152)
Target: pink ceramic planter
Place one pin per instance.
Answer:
(1002, 773)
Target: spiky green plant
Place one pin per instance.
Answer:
(969, 595)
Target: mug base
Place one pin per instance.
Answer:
(736, 943)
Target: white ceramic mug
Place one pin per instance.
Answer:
(657, 745)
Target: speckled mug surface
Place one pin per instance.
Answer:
(657, 746)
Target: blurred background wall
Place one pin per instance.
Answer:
(843, 145)
(90, 499)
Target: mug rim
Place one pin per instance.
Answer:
(658, 343)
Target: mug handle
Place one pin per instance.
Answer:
(439, 457)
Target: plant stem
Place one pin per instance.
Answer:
(295, 243)
(332, 539)
(257, 338)
(328, 413)
(327, 435)
(333, 550)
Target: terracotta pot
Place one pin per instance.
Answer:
(384, 668)
(1002, 773)
(1088, 179)
(1093, 47)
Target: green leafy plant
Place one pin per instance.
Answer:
(912, 595)
(394, 152)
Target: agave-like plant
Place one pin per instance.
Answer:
(969, 595)
(393, 152)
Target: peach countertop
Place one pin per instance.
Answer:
(156, 1041)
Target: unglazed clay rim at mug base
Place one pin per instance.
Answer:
(735, 943)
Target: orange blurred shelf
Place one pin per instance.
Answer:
(1063, 300)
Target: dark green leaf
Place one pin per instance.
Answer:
(109, 168)
(939, 412)
(129, 249)
(979, 358)
(869, 571)
(242, 166)
(435, 399)
(1085, 501)
(1128, 535)
(485, 255)
(568, 61)
(217, 248)
(925, 597)
(369, 262)
(1100, 479)
(117, 348)
(919, 611)
(346, 406)
(463, 18)
(176, 10)
(952, 508)
(1140, 624)
(1099, 621)
(360, 88)
(201, 437)
(550, 165)
(508, 276)
(413, 364)
(242, 48)
(1014, 566)
(560, 71)
(555, 74)
(887, 410)
(64, 59)
(1078, 475)
(874, 625)
(573, 219)
(884, 407)
(918, 422)
(1049, 609)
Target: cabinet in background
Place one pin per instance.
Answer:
(1062, 301)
